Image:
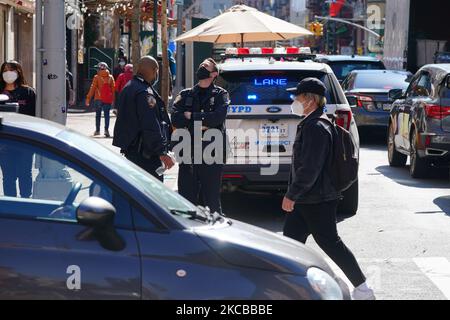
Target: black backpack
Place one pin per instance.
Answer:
(343, 165)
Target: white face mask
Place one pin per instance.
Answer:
(298, 108)
(10, 76)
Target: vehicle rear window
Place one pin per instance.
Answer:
(389, 80)
(342, 68)
(266, 87)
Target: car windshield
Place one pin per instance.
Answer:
(266, 87)
(149, 185)
(382, 80)
(342, 68)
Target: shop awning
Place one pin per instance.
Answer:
(22, 5)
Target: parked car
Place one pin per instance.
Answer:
(367, 92)
(342, 65)
(98, 227)
(261, 105)
(419, 124)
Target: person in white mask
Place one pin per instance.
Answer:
(13, 84)
(311, 199)
(16, 164)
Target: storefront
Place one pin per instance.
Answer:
(16, 34)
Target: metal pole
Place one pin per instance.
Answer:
(74, 67)
(155, 29)
(179, 76)
(53, 181)
(165, 58)
(54, 62)
(38, 59)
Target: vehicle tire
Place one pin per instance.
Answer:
(396, 159)
(349, 205)
(419, 167)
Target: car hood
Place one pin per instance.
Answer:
(244, 245)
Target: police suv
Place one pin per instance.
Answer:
(260, 126)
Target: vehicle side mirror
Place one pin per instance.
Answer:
(99, 214)
(352, 100)
(395, 94)
(448, 83)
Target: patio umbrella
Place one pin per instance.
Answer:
(243, 24)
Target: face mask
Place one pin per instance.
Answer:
(203, 73)
(122, 64)
(10, 76)
(298, 108)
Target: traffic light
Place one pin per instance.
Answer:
(320, 29)
(316, 28)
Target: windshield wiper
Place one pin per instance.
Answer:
(204, 216)
(193, 214)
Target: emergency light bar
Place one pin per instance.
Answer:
(302, 53)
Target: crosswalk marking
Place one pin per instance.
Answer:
(438, 271)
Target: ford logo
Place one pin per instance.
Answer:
(273, 109)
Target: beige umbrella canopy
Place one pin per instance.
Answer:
(242, 24)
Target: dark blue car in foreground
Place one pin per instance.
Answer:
(78, 221)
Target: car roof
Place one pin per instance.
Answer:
(374, 71)
(45, 127)
(441, 70)
(264, 64)
(439, 66)
(336, 58)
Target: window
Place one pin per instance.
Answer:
(422, 88)
(342, 68)
(266, 87)
(382, 80)
(38, 184)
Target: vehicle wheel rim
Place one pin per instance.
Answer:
(413, 153)
(390, 144)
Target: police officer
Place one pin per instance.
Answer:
(205, 106)
(143, 128)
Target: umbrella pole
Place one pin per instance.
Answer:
(242, 40)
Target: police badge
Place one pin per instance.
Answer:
(151, 101)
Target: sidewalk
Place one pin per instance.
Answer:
(84, 122)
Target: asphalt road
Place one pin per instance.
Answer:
(400, 235)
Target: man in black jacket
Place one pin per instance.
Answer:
(311, 200)
(206, 106)
(143, 128)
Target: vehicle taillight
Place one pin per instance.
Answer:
(233, 176)
(366, 103)
(343, 119)
(436, 112)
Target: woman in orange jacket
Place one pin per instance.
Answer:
(102, 90)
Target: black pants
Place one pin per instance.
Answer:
(149, 165)
(319, 220)
(17, 166)
(200, 184)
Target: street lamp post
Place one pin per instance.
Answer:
(53, 181)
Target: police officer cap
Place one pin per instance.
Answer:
(309, 85)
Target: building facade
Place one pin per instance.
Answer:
(16, 34)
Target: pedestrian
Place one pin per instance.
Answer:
(120, 68)
(102, 90)
(124, 78)
(311, 200)
(17, 164)
(143, 128)
(206, 104)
